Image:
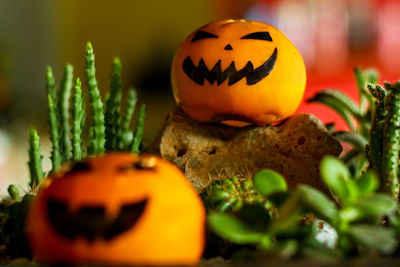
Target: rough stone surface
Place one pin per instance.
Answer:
(207, 152)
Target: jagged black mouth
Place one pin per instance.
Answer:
(92, 221)
(253, 76)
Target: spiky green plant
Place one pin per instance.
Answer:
(53, 119)
(78, 121)
(384, 145)
(113, 106)
(97, 129)
(124, 135)
(109, 129)
(64, 112)
(35, 159)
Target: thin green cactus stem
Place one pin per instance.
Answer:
(64, 115)
(54, 134)
(35, 159)
(78, 118)
(53, 119)
(138, 135)
(97, 138)
(391, 143)
(113, 107)
(124, 139)
(50, 82)
(377, 128)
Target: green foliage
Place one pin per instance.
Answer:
(391, 142)
(268, 182)
(67, 127)
(35, 159)
(357, 116)
(361, 219)
(355, 214)
(67, 122)
(234, 230)
(376, 139)
(78, 121)
(138, 134)
(64, 114)
(124, 137)
(113, 107)
(97, 129)
(53, 119)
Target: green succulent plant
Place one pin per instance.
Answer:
(109, 128)
(375, 137)
(356, 115)
(355, 212)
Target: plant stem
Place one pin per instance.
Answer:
(138, 135)
(124, 140)
(78, 121)
(391, 143)
(63, 105)
(113, 107)
(53, 120)
(377, 128)
(97, 138)
(35, 159)
(54, 135)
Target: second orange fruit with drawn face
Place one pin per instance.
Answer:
(119, 208)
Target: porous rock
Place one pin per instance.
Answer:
(206, 152)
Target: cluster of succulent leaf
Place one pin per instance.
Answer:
(109, 128)
(375, 137)
(356, 115)
(354, 212)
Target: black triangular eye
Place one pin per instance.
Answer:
(258, 36)
(202, 35)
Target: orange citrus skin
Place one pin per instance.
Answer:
(273, 98)
(170, 230)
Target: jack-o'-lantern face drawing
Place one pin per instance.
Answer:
(118, 209)
(238, 71)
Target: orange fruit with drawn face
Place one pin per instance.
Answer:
(238, 72)
(118, 209)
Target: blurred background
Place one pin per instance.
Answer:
(333, 36)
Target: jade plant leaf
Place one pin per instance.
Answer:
(367, 183)
(289, 213)
(374, 237)
(336, 176)
(376, 206)
(268, 182)
(232, 229)
(317, 202)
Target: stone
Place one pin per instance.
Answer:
(208, 152)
